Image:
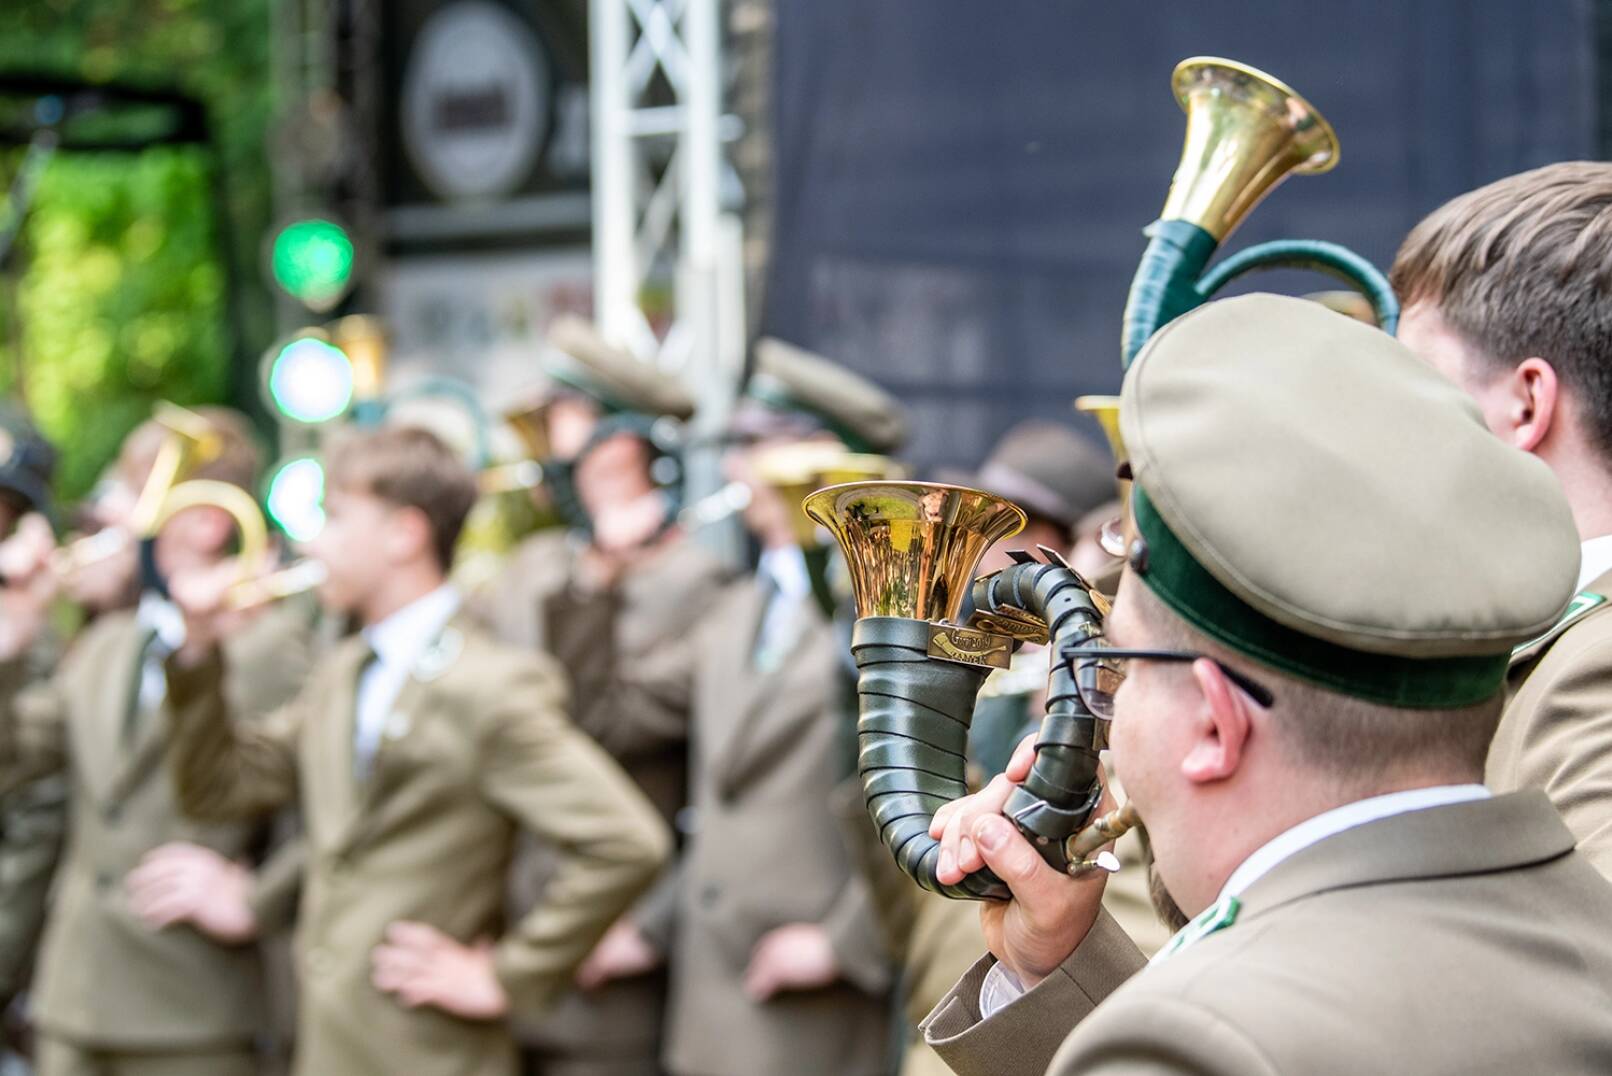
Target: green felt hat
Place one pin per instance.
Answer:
(1313, 496)
(582, 360)
(792, 380)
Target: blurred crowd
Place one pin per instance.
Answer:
(591, 809)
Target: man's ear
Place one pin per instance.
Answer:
(1534, 402)
(1220, 728)
(413, 534)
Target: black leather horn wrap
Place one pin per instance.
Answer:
(915, 711)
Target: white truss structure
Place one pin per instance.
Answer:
(665, 199)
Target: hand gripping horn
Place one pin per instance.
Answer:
(912, 549)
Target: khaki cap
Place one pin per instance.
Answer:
(1314, 496)
(583, 360)
(788, 378)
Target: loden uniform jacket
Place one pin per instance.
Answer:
(1465, 939)
(1556, 733)
(766, 850)
(476, 748)
(597, 636)
(104, 979)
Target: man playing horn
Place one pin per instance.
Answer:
(1333, 560)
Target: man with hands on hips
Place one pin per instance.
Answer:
(418, 750)
(1331, 563)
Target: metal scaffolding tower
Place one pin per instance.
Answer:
(666, 201)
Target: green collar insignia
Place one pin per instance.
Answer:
(1583, 602)
(1188, 588)
(1218, 916)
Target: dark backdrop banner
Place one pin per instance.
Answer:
(962, 185)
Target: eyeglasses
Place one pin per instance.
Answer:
(1099, 671)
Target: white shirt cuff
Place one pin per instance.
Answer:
(999, 990)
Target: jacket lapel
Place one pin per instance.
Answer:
(99, 752)
(414, 708)
(772, 704)
(1474, 837)
(331, 763)
(747, 683)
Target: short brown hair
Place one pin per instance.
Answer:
(411, 468)
(1523, 268)
(1347, 738)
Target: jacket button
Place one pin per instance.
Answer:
(709, 895)
(103, 880)
(113, 813)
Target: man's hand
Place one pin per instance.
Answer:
(622, 953)
(201, 596)
(186, 883)
(1050, 913)
(796, 956)
(420, 965)
(27, 585)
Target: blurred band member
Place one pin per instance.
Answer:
(418, 750)
(777, 964)
(605, 600)
(33, 820)
(146, 966)
(1506, 293)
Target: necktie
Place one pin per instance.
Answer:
(366, 739)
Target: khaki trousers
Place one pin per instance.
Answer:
(58, 1058)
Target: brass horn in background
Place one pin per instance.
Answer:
(912, 549)
(250, 590)
(1246, 132)
(189, 441)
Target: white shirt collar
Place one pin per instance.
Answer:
(1330, 823)
(1595, 560)
(162, 618)
(402, 637)
(786, 565)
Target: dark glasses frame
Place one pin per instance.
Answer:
(1073, 654)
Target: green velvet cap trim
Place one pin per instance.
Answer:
(775, 394)
(1172, 573)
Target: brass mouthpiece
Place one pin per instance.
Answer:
(1109, 827)
(300, 577)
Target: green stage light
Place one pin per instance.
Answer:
(312, 259)
(296, 498)
(310, 381)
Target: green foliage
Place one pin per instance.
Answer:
(118, 294)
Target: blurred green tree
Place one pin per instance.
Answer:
(118, 293)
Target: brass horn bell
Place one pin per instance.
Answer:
(912, 549)
(1246, 132)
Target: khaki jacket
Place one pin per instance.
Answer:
(598, 637)
(1556, 733)
(476, 748)
(1465, 939)
(33, 830)
(105, 979)
(766, 851)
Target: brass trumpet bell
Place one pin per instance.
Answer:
(912, 548)
(1246, 131)
(202, 492)
(191, 441)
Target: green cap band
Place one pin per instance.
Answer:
(1172, 573)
